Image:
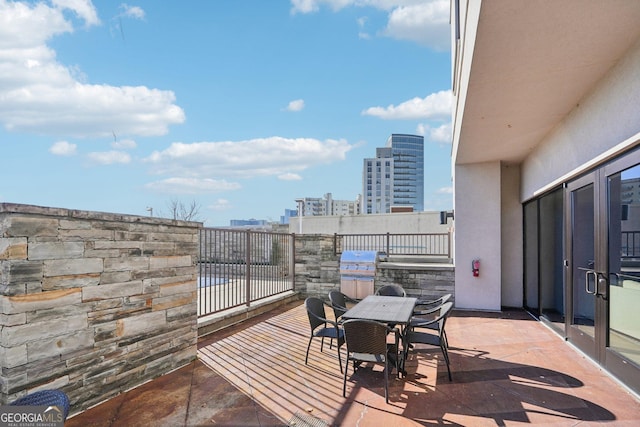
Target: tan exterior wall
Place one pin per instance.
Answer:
(478, 234)
(512, 292)
(400, 222)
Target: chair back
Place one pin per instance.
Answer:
(445, 310)
(444, 298)
(315, 312)
(366, 336)
(392, 291)
(338, 302)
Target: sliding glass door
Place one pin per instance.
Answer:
(544, 254)
(582, 264)
(602, 229)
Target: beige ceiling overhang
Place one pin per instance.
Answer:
(532, 63)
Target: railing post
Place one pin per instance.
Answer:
(292, 257)
(247, 269)
(387, 245)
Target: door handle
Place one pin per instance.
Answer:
(602, 285)
(586, 282)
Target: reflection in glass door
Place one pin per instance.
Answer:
(544, 294)
(624, 264)
(583, 275)
(552, 298)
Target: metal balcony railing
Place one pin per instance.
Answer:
(630, 244)
(429, 244)
(238, 267)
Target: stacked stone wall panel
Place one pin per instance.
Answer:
(93, 303)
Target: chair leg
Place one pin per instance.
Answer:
(386, 379)
(444, 337)
(306, 358)
(445, 353)
(344, 381)
(398, 364)
(340, 360)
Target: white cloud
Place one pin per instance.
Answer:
(296, 105)
(289, 177)
(21, 26)
(124, 144)
(436, 105)
(362, 23)
(63, 148)
(256, 157)
(422, 21)
(40, 95)
(309, 6)
(135, 12)
(84, 9)
(426, 24)
(445, 190)
(442, 133)
(179, 185)
(109, 157)
(220, 205)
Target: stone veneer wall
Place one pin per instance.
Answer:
(421, 281)
(93, 303)
(318, 271)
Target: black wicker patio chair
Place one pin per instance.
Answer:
(426, 310)
(340, 303)
(322, 327)
(414, 334)
(391, 291)
(367, 342)
(423, 304)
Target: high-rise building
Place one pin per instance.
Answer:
(395, 177)
(288, 213)
(377, 182)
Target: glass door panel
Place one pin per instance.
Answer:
(623, 332)
(531, 258)
(551, 257)
(583, 263)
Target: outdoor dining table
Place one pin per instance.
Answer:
(385, 309)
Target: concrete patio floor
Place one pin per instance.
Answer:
(508, 370)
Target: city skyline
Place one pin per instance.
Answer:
(241, 108)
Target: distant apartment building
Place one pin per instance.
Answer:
(395, 177)
(247, 222)
(327, 205)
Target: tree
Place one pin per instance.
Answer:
(178, 210)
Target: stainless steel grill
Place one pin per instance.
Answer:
(358, 272)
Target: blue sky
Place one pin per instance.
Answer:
(240, 106)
